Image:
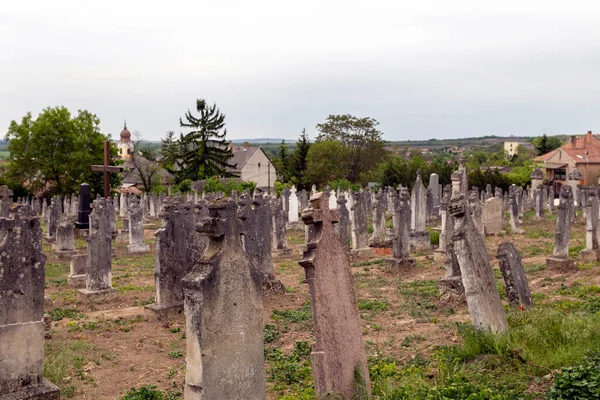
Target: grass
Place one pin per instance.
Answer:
(298, 315)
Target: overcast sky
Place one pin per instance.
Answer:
(423, 69)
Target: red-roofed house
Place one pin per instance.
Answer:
(581, 152)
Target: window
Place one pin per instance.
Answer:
(258, 165)
(560, 174)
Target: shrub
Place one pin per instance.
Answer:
(434, 238)
(146, 392)
(581, 381)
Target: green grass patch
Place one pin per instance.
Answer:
(372, 305)
(298, 315)
(57, 313)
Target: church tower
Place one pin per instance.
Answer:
(125, 145)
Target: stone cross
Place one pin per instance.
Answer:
(106, 168)
(560, 257)
(224, 315)
(515, 280)
(338, 355)
(22, 273)
(401, 241)
(483, 299)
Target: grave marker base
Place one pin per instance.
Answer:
(97, 296)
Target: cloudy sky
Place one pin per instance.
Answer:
(423, 69)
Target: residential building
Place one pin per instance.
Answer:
(510, 147)
(252, 164)
(581, 152)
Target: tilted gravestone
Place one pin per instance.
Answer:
(338, 356)
(277, 225)
(513, 211)
(178, 248)
(224, 315)
(401, 241)
(136, 227)
(54, 214)
(343, 228)
(451, 286)
(560, 257)
(22, 275)
(98, 285)
(515, 280)
(483, 299)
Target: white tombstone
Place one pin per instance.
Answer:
(332, 201)
(293, 211)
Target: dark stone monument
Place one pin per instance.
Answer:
(83, 214)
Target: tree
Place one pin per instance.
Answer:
(298, 160)
(169, 150)
(203, 152)
(361, 136)
(145, 165)
(55, 152)
(545, 144)
(282, 163)
(327, 160)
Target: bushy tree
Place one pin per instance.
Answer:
(203, 151)
(403, 170)
(55, 151)
(326, 160)
(545, 144)
(365, 144)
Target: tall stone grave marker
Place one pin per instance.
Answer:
(492, 216)
(22, 274)
(338, 355)
(379, 225)
(419, 238)
(401, 241)
(64, 247)
(277, 227)
(54, 214)
(83, 212)
(293, 211)
(360, 224)
(434, 184)
(592, 235)
(560, 258)
(343, 228)
(224, 315)
(136, 227)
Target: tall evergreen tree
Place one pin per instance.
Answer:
(203, 151)
(169, 150)
(283, 164)
(298, 160)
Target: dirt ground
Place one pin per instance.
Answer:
(100, 351)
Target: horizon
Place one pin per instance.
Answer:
(430, 70)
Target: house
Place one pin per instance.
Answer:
(252, 164)
(510, 148)
(581, 152)
(125, 145)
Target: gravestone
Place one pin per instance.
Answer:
(22, 275)
(551, 199)
(428, 207)
(178, 248)
(224, 315)
(293, 211)
(332, 200)
(136, 228)
(360, 224)
(451, 286)
(257, 220)
(492, 216)
(574, 178)
(78, 271)
(379, 223)
(592, 238)
(343, 227)
(98, 285)
(338, 356)
(515, 280)
(123, 207)
(303, 199)
(434, 185)
(560, 257)
(54, 214)
(401, 258)
(483, 299)
(419, 238)
(285, 199)
(83, 212)
(513, 209)
(537, 176)
(476, 212)
(152, 206)
(64, 247)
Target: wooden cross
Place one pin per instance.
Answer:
(107, 169)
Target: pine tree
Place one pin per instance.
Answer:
(298, 160)
(203, 151)
(283, 166)
(169, 149)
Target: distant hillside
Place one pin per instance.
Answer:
(263, 140)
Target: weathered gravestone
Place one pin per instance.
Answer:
(451, 286)
(343, 228)
(379, 223)
(513, 210)
(592, 238)
(492, 216)
(277, 226)
(98, 285)
(78, 271)
(224, 315)
(515, 280)
(124, 206)
(256, 218)
(478, 279)
(22, 273)
(54, 214)
(136, 228)
(434, 185)
(360, 224)
(537, 176)
(560, 257)
(178, 248)
(419, 238)
(338, 356)
(539, 202)
(303, 199)
(64, 247)
(574, 177)
(401, 258)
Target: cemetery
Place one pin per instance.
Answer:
(353, 294)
